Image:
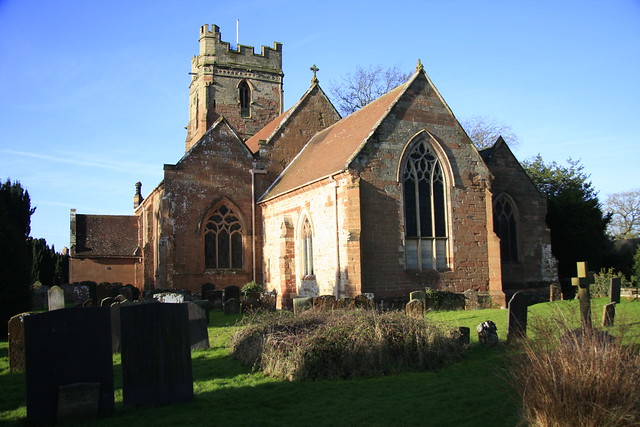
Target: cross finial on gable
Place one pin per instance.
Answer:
(315, 70)
(419, 66)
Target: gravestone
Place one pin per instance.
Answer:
(462, 335)
(231, 306)
(104, 290)
(216, 299)
(205, 289)
(555, 292)
(39, 297)
(169, 297)
(78, 402)
(609, 314)
(203, 304)
(56, 298)
(471, 300)
(62, 347)
(415, 309)
(517, 322)
(231, 300)
(324, 302)
(16, 342)
(363, 301)
(198, 332)
(421, 295)
(301, 304)
(487, 333)
(156, 356)
(582, 282)
(614, 290)
(345, 303)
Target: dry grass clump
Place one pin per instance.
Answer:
(573, 377)
(341, 344)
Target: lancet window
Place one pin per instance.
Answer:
(505, 227)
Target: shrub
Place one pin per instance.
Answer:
(602, 282)
(574, 377)
(443, 300)
(341, 344)
(252, 287)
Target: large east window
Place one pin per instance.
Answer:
(504, 225)
(424, 209)
(223, 239)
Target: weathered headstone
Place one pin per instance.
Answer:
(216, 299)
(205, 289)
(231, 306)
(78, 402)
(16, 342)
(421, 295)
(517, 323)
(582, 282)
(555, 292)
(487, 333)
(198, 332)
(324, 302)
(39, 296)
(609, 314)
(156, 356)
(415, 309)
(56, 298)
(62, 347)
(614, 290)
(301, 304)
(462, 335)
(363, 301)
(471, 300)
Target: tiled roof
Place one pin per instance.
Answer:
(106, 235)
(331, 150)
(266, 132)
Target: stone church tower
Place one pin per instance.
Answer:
(242, 86)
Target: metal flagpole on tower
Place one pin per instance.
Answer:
(237, 33)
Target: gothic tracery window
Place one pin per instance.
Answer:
(307, 249)
(505, 227)
(424, 209)
(223, 239)
(245, 99)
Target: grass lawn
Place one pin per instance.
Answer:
(471, 392)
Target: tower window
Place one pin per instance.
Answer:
(424, 210)
(245, 99)
(504, 225)
(223, 239)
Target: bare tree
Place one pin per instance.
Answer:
(484, 131)
(357, 89)
(625, 209)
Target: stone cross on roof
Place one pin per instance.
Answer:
(315, 70)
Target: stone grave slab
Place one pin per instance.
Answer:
(614, 290)
(415, 309)
(16, 342)
(156, 356)
(56, 298)
(62, 347)
(198, 333)
(609, 314)
(517, 321)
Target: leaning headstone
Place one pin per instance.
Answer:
(555, 292)
(16, 342)
(198, 332)
(56, 298)
(104, 290)
(156, 356)
(64, 347)
(302, 304)
(614, 290)
(421, 295)
(462, 335)
(582, 282)
(78, 402)
(415, 309)
(487, 333)
(231, 306)
(609, 314)
(216, 299)
(517, 323)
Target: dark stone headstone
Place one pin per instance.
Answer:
(62, 347)
(302, 304)
(231, 292)
(609, 314)
(216, 299)
(16, 342)
(517, 323)
(415, 309)
(156, 356)
(231, 306)
(78, 402)
(56, 298)
(104, 290)
(614, 290)
(487, 333)
(462, 335)
(205, 288)
(39, 297)
(198, 332)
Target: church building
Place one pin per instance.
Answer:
(390, 199)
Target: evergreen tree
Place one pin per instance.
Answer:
(574, 214)
(15, 260)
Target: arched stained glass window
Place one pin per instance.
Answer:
(505, 227)
(223, 239)
(307, 249)
(424, 209)
(245, 99)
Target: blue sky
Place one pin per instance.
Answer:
(93, 94)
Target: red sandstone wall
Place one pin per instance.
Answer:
(103, 270)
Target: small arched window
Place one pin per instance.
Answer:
(223, 239)
(424, 209)
(505, 227)
(307, 248)
(245, 99)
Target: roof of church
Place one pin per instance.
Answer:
(106, 235)
(331, 150)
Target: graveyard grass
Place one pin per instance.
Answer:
(473, 391)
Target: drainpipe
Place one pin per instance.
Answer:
(338, 267)
(254, 171)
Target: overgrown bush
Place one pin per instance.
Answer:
(252, 287)
(341, 344)
(602, 282)
(443, 300)
(579, 378)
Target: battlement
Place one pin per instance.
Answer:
(211, 44)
